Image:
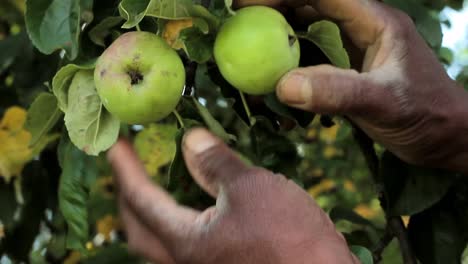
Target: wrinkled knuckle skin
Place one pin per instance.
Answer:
(401, 25)
(211, 162)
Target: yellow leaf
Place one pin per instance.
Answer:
(106, 225)
(405, 219)
(89, 245)
(324, 186)
(349, 186)
(14, 119)
(366, 211)
(331, 152)
(329, 134)
(73, 258)
(2, 231)
(156, 146)
(311, 133)
(318, 172)
(14, 150)
(172, 30)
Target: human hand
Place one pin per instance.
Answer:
(259, 217)
(402, 96)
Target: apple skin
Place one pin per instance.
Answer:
(253, 50)
(139, 78)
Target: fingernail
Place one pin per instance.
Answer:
(199, 140)
(294, 89)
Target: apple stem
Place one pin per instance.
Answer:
(179, 118)
(138, 27)
(246, 107)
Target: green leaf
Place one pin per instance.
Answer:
(427, 22)
(428, 25)
(178, 168)
(410, 189)
(181, 185)
(212, 123)
(10, 49)
(228, 4)
(43, 114)
(62, 80)
(439, 234)
(198, 46)
(90, 127)
(303, 118)
(11, 11)
(54, 25)
(8, 204)
(135, 10)
(326, 35)
(462, 77)
(156, 146)
(271, 149)
(455, 4)
(445, 55)
(86, 11)
(102, 30)
(363, 254)
(78, 170)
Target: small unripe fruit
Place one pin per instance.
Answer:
(139, 78)
(255, 48)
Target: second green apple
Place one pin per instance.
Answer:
(255, 48)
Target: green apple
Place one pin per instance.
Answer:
(139, 78)
(255, 48)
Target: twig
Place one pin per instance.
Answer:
(179, 118)
(399, 231)
(383, 243)
(395, 224)
(246, 107)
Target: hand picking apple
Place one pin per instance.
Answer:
(401, 97)
(271, 46)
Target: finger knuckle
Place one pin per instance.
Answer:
(401, 24)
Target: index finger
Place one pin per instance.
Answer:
(153, 205)
(362, 20)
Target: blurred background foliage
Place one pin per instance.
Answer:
(322, 156)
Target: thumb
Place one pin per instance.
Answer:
(211, 162)
(325, 89)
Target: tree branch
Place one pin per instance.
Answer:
(383, 243)
(395, 226)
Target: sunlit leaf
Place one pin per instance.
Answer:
(90, 126)
(156, 146)
(135, 10)
(62, 80)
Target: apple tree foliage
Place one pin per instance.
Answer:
(57, 200)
